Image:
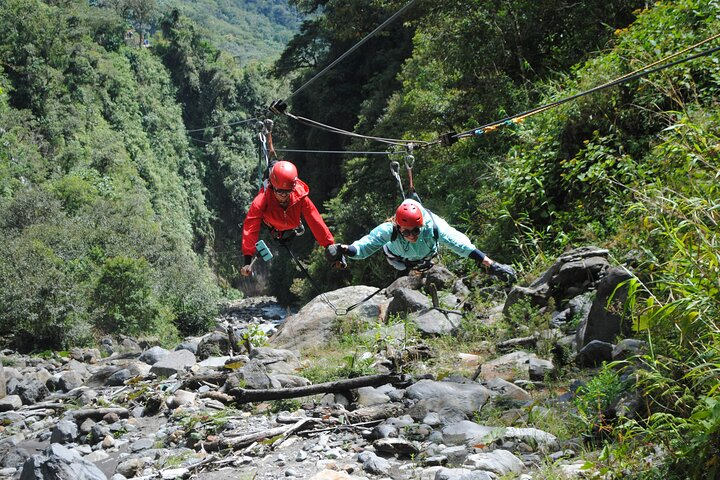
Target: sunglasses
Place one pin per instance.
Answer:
(283, 192)
(414, 232)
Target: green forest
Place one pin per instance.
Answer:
(249, 30)
(126, 172)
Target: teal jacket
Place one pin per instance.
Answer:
(426, 245)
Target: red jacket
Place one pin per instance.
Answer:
(266, 209)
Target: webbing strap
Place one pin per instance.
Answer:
(409, 162)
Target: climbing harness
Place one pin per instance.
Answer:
(423, 264)
(285, 236)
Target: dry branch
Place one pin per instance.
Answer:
(99, 413)
(243, 395)
(244, 440)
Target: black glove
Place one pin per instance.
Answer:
(335, 255)
(504, 272)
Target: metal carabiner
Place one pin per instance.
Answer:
(409, 161)
(395, 168)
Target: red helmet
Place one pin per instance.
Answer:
(409, 214)
(283, 175)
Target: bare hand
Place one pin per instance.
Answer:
(246, 270)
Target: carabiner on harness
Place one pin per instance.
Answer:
(395, 170)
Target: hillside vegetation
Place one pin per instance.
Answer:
(125, 172)
(111, 217)
(249, 30)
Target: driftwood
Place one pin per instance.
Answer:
(517, 342)
(193, 383)
(48, 405)
(340, 427)
(250, 438)
(243, 395)
(219, 396)
(99, 413)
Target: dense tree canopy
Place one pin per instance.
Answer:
(104, 198)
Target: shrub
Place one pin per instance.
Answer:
(124, 297)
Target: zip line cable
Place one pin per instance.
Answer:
(339, 152)
(452, 137)
(352, 49)
(513, 119)
(239, 122)
(448, 139)
(324, 70)
(292, 150)
(644, 71)
(340, 131)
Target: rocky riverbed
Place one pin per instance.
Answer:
(210, 409)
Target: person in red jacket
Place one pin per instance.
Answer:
(279, 207)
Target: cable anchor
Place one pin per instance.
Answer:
(278, 107)
(447, 139)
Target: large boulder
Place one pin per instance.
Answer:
(312, 325)
(572, 274)
(605, 320)
(60, 463)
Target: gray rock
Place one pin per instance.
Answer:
(628, 347)
(290, 381)
(3, 384)
(465, 432)
(396, 446)
(441, 277)
(407, 301)
(508, 390)
(65, 431)
(153, 355)
(61, 463)
(313, 324)
(461, 474)
(255, 375)
(500, 462)
(119, 377)
(435, 322)
(216, 344)
(594, 354)
(467, 398)
(605, 323)
(371, 463)
(368, 396)
(173, 363)
(32, 391)
(70, 380)
(276, 360)
(10, 402)
(547, 442)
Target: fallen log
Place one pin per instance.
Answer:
(243, 395)
(99, 413)
(245, 440)
(219, 396)
(375, 412)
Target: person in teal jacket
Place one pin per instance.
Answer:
(411, 239)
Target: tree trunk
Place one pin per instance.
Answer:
(243, 395)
